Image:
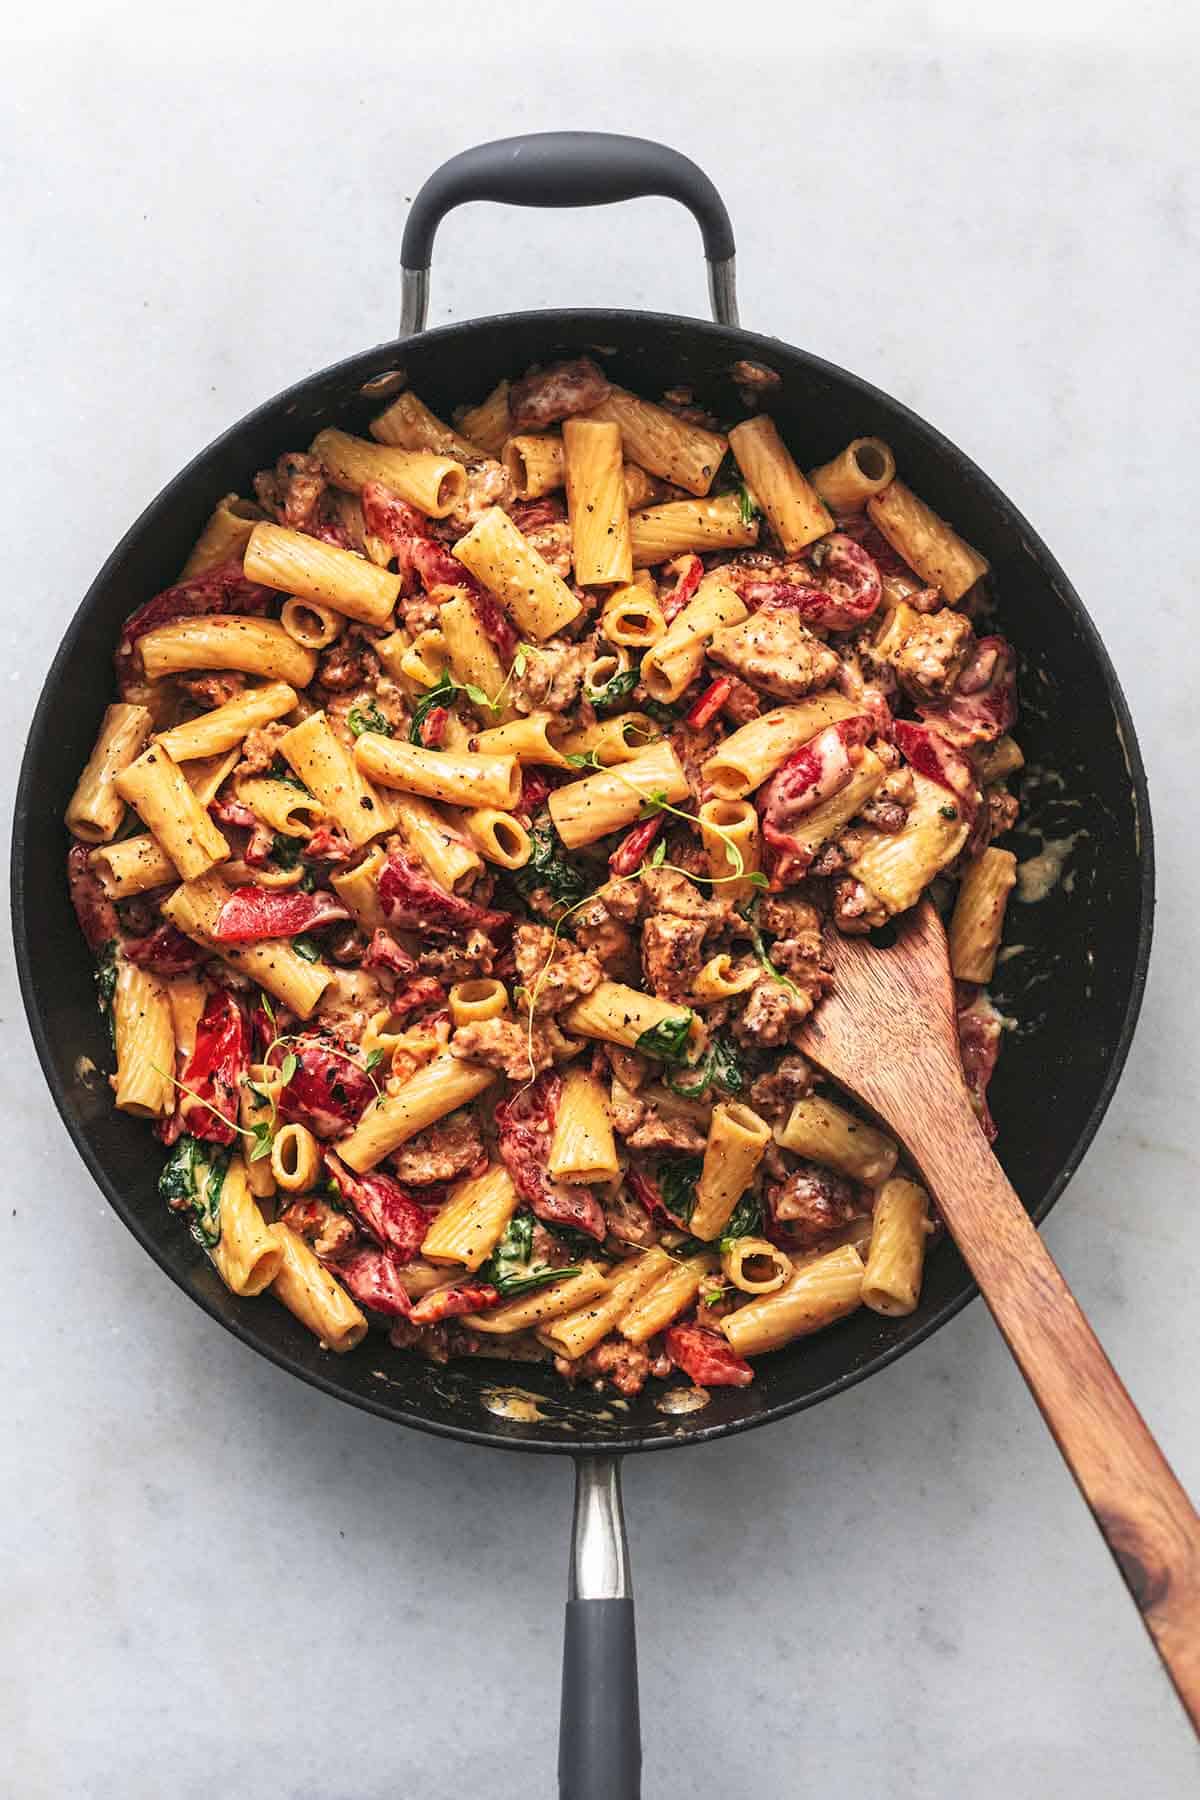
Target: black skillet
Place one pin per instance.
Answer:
(1074, 989)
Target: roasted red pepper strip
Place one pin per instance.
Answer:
(214, 1070)
(452, 1302)
(413, 901)
(383, 952)
(393, 1217)
(646, 1193)
(165, 951)
(630, 852)
(433, 727)
(328, 1090)
(709, 704)
(253, 913)
(526, 1125)
(224, 589)
(95, 912)
(372, 1277)
(683, 590)
(706, 1357)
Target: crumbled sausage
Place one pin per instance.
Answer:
(511, 1046)
(553, 974)
(440, 1153)
(672, 953)
(930, 659)
(775, 650)
(548, 395)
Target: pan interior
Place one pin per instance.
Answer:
(1074, 961)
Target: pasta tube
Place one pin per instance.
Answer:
(330, 773)
(435, 484)
(145, 1039)
(257, 1104)
(632, 617)
(132, 866)
(535, 462)
(308, 1290)
(226, 726)
(658, 533)
(940, 557)
(158, 792)
(224, 536)
(978, 918)
(754, 1266)
(305, 566)
(721, 979)
(864, 468)
(409, 424)
(546, 1303)
(822, 1290)
(452, 775)
(675, 661)
(726, 827)
(311, 624)
(280, 805)
(96, 809)
(898, 868)
(359, 890)
(753, 752)
(589, 809)
(670, 1295)
(473, 1220)
(497, 555)
(617, 740)
(596, 503)
(621, 1015)
(826, 1133)
(575, 1333)
(295, 1159)
(249, 1254)
(474, 1001)
(194, 907)
(439, 1088)
(488, 424)
(439, 843)
(188, 997)
(795, 510)
(583, 1147)
(737, 1139)
(532, 739)
(896, 1259)
(227, 641)
(206, 775)
(470, 653)
(498, 837)
(659, 441)
(825, 821)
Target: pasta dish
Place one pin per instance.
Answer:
(457, 855)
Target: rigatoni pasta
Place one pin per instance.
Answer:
(500, 784)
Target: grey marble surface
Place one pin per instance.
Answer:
(899, 1594)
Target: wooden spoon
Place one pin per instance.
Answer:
(887, 1034)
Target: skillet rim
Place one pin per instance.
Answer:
(353, 368)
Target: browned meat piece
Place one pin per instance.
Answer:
(510, 1046)
(552, 676)
(754, 375)
(787, 917)
(329, 1232)
(260, 748)
(488, 484)
(607, 939)
(348, 663)
(1003, 808)
(667, 892)
(95, 912)
(814, 1201)
(931, 658)
(693, 748)
(888, 809)
(628, 1111)
(290, 493)
(349, 1002)
(459, 962)
(658, 1133)
(829, 860)
(212, 690)
(772, 1013)
(419, 613)
(672, 953)
(624, 1366)
(855, 907)
(622, 898)
(772, 1094)
(774, 650)
(741, 704)
(441, 1153)
(554, 975)
(545, 396)
(628, 1222)
(544, 525)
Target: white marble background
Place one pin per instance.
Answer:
(217, 1581)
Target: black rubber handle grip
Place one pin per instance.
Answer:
(565, 168)
(599, 1743)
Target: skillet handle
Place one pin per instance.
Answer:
(565, 168)
(599, 1739)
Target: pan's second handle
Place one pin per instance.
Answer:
(599, 1742)
(565, 168)
(1143, 1512)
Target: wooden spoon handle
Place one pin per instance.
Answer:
(1146, 1518)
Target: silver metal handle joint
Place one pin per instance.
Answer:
(599, 1567)
(722, 291)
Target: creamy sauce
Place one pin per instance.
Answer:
(1039, 875)
(86, 1071)
(683, 1400)
(1011, 950)
(512, 1403)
